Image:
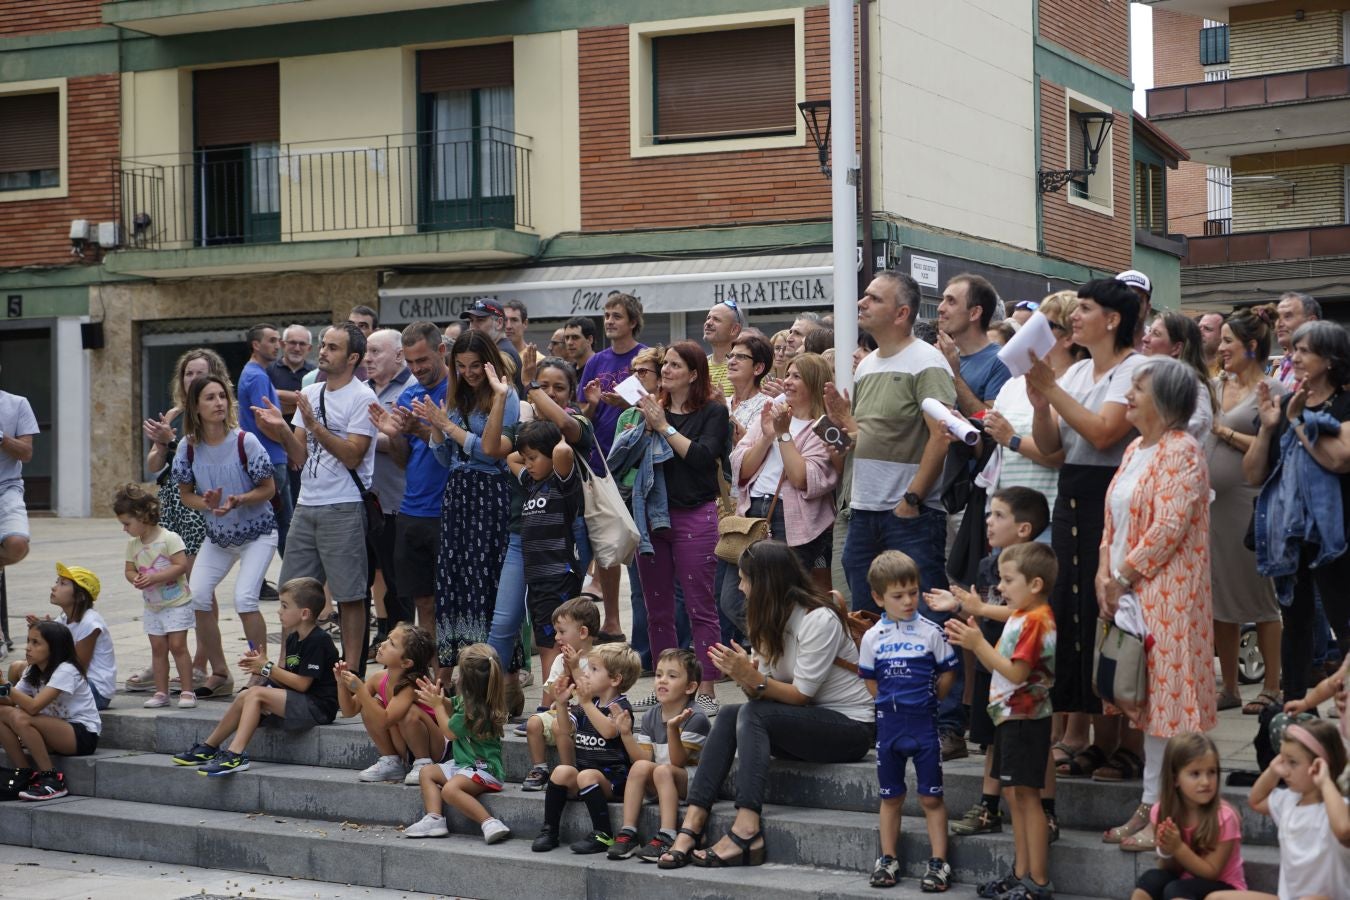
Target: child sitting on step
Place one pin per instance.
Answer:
(157, 565)
(575, 624)
(1198, 835)
(399, 726)
(74, 593)
(664, 749)
(49, 710)
(594, 760)
(473, 720)
(295, 696)
(908, 667)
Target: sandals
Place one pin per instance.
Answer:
(1123, 765)
(206, 691)
(1069, 753)
(1083, 764)
(887, 872)
(1257, 706)
(747, 856)
(1230, 701)
(143, 680)
(1138, 822)
(1141, 841)
(681, 858)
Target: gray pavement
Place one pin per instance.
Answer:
(100, 545)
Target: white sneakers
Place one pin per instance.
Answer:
(386, 768)
(414, 776)
(495, 831)
(428, 826)
(187, 700)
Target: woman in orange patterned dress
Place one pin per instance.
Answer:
(1156, 546)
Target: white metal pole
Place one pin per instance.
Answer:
(843, 162)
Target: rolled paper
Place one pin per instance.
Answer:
(1035, 336)
(959, 427)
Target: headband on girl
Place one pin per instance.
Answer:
(1304, 737)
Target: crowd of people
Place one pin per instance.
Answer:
(1150, 471)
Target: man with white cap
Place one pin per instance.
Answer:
(1143, 289)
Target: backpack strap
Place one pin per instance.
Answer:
(243, 457)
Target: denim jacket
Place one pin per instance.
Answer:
(471, 455)
(651, 507)
(1299, 504)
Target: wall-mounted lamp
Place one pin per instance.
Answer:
(820, 136)
(1095, 127)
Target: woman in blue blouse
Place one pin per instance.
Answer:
(476, 506)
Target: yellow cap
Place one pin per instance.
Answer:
(81, 576)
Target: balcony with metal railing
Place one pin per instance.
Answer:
(170, 17)
(370, 190)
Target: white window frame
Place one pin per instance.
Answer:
(640, 112)
(44, 86)
(1101, 185)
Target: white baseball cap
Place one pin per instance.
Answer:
(1136, 279)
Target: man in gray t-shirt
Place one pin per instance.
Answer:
(17, 427)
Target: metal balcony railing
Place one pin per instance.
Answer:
(344, 188)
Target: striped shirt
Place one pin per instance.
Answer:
(892, 432)
(547, 544)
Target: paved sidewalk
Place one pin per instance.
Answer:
(48, 875)
(100, 545)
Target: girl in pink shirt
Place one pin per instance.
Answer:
(1199, 836)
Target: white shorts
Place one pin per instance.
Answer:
(169, 619)
(13, 513)
(476, 774)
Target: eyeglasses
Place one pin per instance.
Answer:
(643, 370)
(744, 356)
(1031, 305)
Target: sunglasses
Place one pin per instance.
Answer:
(1031, 305)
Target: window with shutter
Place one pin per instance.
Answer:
(30, 141)
(719, 85)
(237, 133)
(1093, 191)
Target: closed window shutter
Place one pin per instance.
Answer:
(238, 105)
(721, 84)
(30, 132)
(466, 68)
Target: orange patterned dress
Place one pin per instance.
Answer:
(1168, 537)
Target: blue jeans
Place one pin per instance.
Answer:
(510, 609)
(285, 506)
(923, 539)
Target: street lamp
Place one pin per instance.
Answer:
(820, 136)
(1095, 127)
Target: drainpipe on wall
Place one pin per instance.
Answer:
(865, 163)
(844, 191)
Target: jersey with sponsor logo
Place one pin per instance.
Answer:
(595, 751)
(905, 658)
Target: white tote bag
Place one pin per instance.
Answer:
(613, 536)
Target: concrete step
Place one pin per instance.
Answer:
(376, 856)
(1081, 804)
(818, 838)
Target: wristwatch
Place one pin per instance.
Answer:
(913, 499)
(784, 438)
(670, 430)
(266, 670)
(1015, 443)
(532, 386)
(761, 688)
(1121, 579)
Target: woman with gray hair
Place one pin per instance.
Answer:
(1300, 533)
(1155, 546)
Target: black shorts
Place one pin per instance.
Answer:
(981, 726)
(381, 554)
(1021, 747)
(86, 741)
(415, 546)
(542, 604)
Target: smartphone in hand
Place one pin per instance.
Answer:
(832, 434)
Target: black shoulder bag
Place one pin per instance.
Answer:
(370, 501)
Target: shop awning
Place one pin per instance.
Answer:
(664, 286)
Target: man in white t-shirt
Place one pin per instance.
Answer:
(332, 442)
(17, 427)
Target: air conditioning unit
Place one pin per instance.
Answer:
(79, 230)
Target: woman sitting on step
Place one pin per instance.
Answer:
(803, 706)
